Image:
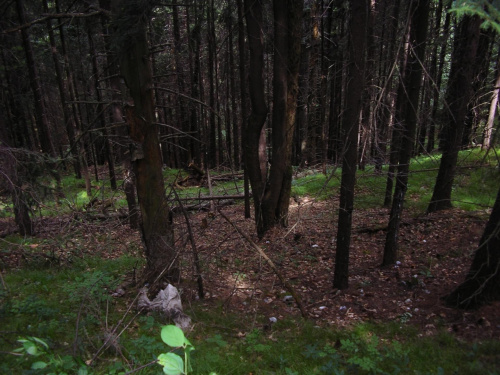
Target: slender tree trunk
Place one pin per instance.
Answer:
(412, 83)
(40, 113)
(213, 150)
(61, 85)
(117, 117)
(457, 98)
(301, 133)
(488, 130)
(355, 85)
(243, 100)
(255, 124)
(108, 148)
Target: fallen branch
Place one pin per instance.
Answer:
(213, 197)
(200, 206)
(271, 264)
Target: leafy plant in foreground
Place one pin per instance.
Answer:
(172, 363)
(48, 362)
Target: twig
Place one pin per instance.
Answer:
(271, 264)
(196, 258)
(3, 282)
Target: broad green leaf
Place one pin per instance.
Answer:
(172, 363)
(38, 365)
(31, 348)
(40, 341)
(173, 336)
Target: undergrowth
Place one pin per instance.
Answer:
(57, 315)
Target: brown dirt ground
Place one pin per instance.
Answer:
(435, 253)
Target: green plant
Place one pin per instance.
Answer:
(48, 362)
(172, 363)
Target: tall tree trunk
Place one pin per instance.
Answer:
(62, 87)
(40, 114)
(107, 146)
(287, 34)
(355, 85)
(243, 100)
(257, 118)
(300, 144)
(412, 83)
(213, 150)
(482, 281)
(157, 228)
(488, 130)
(458, 96)
(117, 117)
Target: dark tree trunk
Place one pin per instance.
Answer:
(182, 119)
(40, 113)
(412, 83)
(61, 85)
(458, 97)
(482, 283)
(355, 85)
(117, 117)
(107, 146)
(287, 33)
(157, 228)
(301, 140)
(397, 128)
(213, 150)
(243, 99)
(258, 115)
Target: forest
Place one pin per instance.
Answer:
(249, 187)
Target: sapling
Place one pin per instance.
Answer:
(174, 364)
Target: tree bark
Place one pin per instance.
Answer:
(412, 83)
(488, 130)
(458, 96)
(157, 228)
(355, 85)
(287, 33)
(482, 282)
(259, 111)
(243, 98)
(40, 114)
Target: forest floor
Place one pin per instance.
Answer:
(435, 254)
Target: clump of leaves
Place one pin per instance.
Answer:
(46, 360)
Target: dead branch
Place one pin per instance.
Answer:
(261, 252)
(196, 258)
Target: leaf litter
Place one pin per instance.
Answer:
(435, 252)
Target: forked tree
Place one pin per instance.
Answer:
(271, 192)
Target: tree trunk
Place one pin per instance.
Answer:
(258, 115)
(287, 33)
(243, 99)
(40, 115)
(107, 147)
(488, 130)
(157, 228)
(412, 83)
(458, 96)
(482, 281)
(355, 85)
